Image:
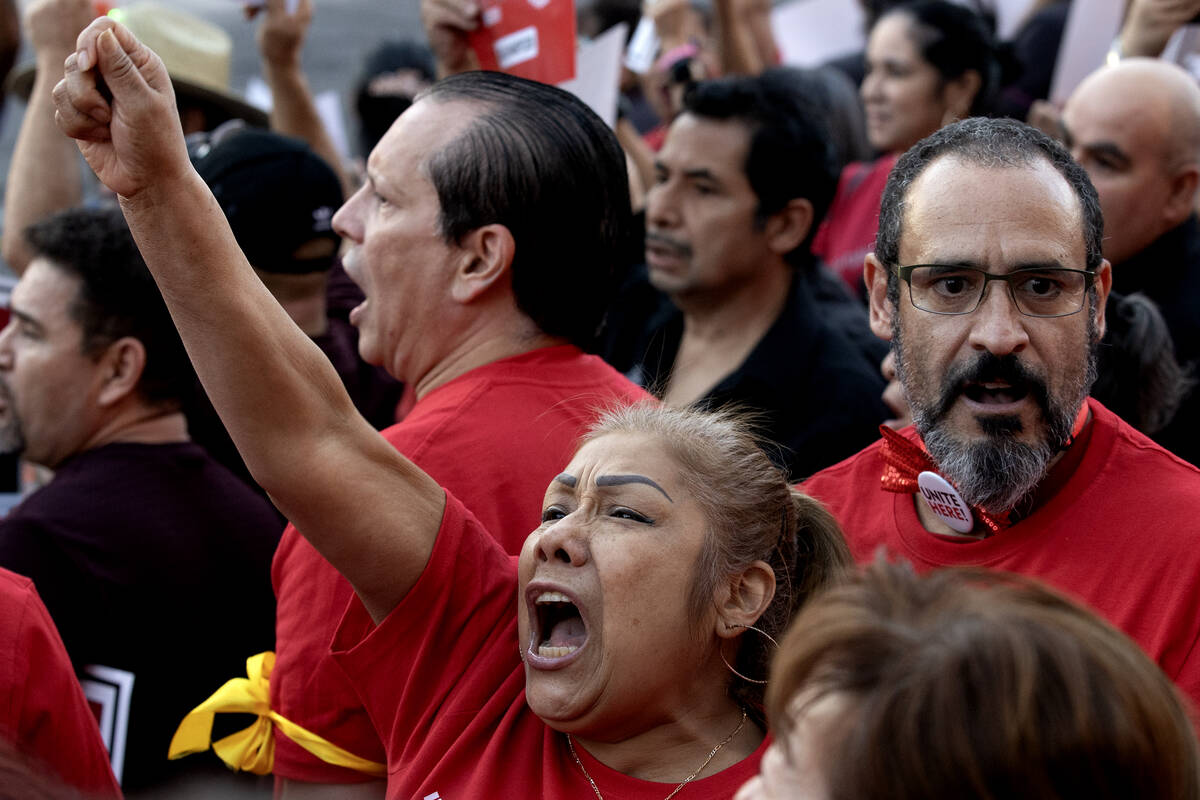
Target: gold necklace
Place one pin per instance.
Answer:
(711, 754)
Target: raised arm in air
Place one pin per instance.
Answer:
(367, 509)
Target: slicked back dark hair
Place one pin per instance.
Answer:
(991, 143)
(791, 153)
(539, 162)
(117, 296)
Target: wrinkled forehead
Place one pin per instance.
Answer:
(634, 457)
(957, 211)
(622, 447)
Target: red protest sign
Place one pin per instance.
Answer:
(532, 39)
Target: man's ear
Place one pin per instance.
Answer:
(875, 274)
(487, 256)
(121, 366)
(1182, 200)
(788, 227)
(742, 599)
(1103, 284)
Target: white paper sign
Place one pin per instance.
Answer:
(643, 47)
(811, 32)
(329, 109)
(1009, 15)
(598, 72)
(517, 47)
(1087, 37)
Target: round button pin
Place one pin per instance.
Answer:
(945, 501)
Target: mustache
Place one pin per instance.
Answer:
(661, 240)
(987, 367)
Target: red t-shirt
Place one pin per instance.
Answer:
(42, 708)
(495, 437)
(848, 232)
(1122, 535)
(443, 682)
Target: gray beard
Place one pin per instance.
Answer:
(998, 473)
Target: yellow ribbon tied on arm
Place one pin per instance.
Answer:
(252, 749)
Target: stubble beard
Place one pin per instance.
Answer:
(997, 473)
(12, 436)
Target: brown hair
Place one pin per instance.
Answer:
(973, 685)
(752, 514)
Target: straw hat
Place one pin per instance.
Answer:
(197, 55)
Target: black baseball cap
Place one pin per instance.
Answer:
(275, 191)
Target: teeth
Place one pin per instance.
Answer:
(552, 597)
(548, 651)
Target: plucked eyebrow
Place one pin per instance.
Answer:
(620, 480)
(566, 480)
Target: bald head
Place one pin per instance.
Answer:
(1135, 127)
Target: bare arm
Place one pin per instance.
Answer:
(43, 176)
(294, 111)
(367, 509)
(745, 43)
(639, 157)
(1149, 25)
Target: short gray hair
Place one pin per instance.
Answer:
(993, 143)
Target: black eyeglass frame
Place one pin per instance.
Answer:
(905, 274)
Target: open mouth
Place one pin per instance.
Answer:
(560, 627)
(995, 393)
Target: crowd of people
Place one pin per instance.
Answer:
(782, 441)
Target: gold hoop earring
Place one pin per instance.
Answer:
(729, 666)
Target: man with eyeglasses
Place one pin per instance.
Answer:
(988, 278)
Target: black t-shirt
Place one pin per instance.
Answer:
(154, 562)
(815, 385)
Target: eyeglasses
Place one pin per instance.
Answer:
(951, 289)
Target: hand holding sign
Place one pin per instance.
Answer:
(448, 24)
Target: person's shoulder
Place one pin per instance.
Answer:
(563, 367)
(846, 475)
(124, 489)
(1136, 454)
(15, 588)
(546, 381)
